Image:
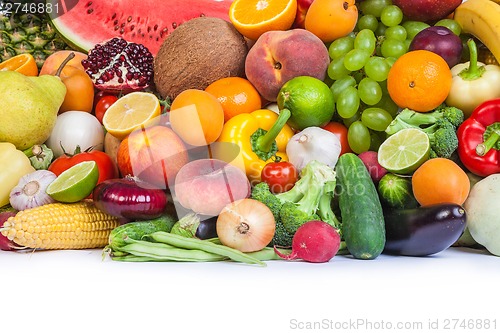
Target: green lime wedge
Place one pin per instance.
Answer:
(75, 183)
(404, 151)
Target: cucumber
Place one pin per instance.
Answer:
(136, 230)
(360, 208)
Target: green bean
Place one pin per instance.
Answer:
(215, 240)
(167, 252)
(198, 244)
(134, 258)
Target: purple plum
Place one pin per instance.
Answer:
(440, 40)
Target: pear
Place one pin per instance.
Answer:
(28, 107)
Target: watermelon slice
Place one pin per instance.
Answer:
(147, 22)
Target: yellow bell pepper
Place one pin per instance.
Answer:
(15, 165)
(258, 137)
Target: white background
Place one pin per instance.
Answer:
(78, 291)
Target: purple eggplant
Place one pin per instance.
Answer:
(424, 230)
(207, 228)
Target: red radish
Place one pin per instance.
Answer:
(314, 241)
(5, 243)
(370, 160)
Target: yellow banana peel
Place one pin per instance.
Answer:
(481, 18)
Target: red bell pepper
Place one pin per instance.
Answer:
(479, 139)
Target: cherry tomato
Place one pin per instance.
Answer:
(103, 104)
(106, 166)
(101, 93)
(340, 130)
(280, 175)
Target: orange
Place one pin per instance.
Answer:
(419, 80)
(252, 18)
(23, 63)
(197, 117)
(236, 94)
(331, 19)
(440, 180)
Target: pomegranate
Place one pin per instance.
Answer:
(118, 65)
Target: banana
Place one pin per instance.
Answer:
(481, 18)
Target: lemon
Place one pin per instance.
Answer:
(75, 183)
(132, 111)
(404, 151)
(309, 100)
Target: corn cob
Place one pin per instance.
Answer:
(60, 226)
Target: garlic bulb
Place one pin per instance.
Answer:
(313, 143)
(30, 191)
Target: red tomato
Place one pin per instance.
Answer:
(281, 176)
(102, 105)
(99, 94)
(106, 166)
(340, 130)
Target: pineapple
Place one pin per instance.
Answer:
(485, 55)
(28, 33)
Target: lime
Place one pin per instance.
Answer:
(75, 183)
(404, 151)
(309, 100)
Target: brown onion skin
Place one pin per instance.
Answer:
(130, 199)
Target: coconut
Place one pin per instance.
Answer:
(197, 53)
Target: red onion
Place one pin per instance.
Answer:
(130, 199)
(5, 243)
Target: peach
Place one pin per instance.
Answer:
(153, 154)
(206, 186)
(52, 63)
(278, 56)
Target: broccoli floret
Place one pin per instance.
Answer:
(452, 114)
(282, 238)
(293, 215)
(261, 192)
(440, 126)
(412, 119)
(309, 199)
(325, 211)
(444, 142)
(320, 180)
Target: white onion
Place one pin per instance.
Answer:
(30, 191)
(246, 225)
(75, 128)
(313, 143)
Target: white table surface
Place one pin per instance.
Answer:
(78, 291)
